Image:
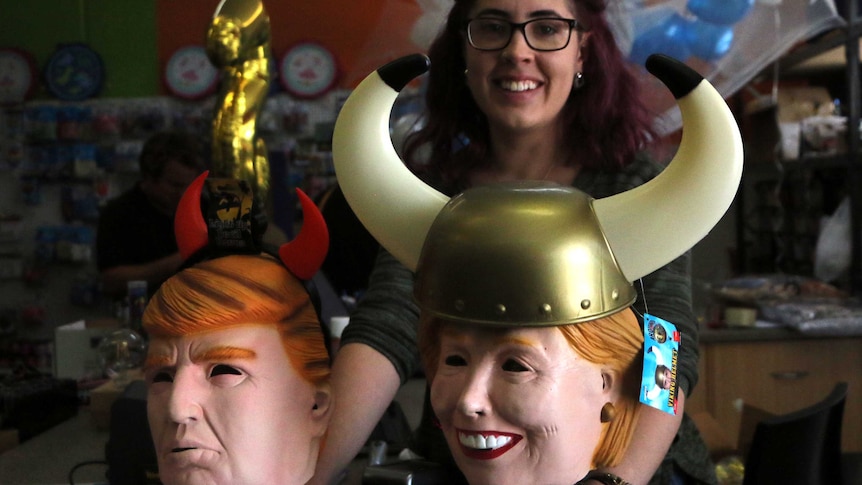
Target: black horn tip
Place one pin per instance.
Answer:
(399, 72)
(678, 77)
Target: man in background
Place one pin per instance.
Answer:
(135, 236)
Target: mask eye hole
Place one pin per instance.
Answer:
(512, 365)
(162, 376)
(223, 369)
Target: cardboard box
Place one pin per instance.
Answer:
(773, 127)
(714, 436)
(76, 347)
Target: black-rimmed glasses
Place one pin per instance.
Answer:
(544, 34)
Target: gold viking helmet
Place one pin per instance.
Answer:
(535, 253)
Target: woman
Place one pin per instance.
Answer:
(237, 367)
(529, 114)
(570, 116)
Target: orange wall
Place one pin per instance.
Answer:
(362, 35)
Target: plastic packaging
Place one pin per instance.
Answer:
(832, 254)
(727, 41)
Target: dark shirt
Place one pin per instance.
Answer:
(131, 231)
(352, 248)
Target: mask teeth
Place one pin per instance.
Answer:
(482, 442)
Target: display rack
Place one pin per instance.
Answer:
(795, 209)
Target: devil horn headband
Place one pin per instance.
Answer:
(302, 256)
(696, 187)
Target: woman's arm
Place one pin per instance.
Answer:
(654, 433)
(364, 382)
(378, 352)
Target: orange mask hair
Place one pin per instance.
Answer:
(241, 290)
(614, 342)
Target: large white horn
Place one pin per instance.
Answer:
(394, 205)
(651, 225)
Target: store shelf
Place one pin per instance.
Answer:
(780, 203)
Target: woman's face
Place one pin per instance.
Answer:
(517, 405)
(519, 88)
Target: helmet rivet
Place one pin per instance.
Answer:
(459, 305)
(585, 304)
(501, 309)
(545, 309)
(615, 294)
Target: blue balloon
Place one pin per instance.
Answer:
(669, 38)
(721, 12)
(709, 41)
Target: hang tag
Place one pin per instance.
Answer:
(232, 216)
(661, 348)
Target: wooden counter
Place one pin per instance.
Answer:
(777, 370)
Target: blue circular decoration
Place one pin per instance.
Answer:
(721, 12)
(74, 72)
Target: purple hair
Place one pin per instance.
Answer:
(606, 122)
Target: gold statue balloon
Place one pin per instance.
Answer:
(238, 43)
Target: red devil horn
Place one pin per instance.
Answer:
(190, 228)
(304, 255)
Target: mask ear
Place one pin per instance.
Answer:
(610, 385)
(321, 412)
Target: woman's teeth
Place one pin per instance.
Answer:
(518, 86)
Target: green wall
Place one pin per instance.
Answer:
(123, 32)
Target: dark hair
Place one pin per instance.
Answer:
(167, 146)
(606, 121)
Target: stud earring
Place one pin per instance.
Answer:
(609, 412)
(579, 80)
(466, 71)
